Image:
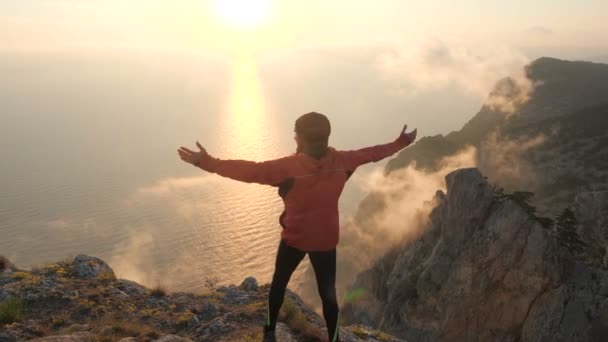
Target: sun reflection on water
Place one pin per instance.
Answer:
(245, 126)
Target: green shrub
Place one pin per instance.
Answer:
(355, 295)
(567, 234)
(11, 310)
(252, 337)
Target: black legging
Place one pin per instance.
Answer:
(324, 265)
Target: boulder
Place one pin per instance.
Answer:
(249, 284)
(88, 267)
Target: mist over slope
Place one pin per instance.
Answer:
(479, 262)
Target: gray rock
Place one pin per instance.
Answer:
(233, 295)
(75, 337)
(130, 287)
(283, 333)
(206, 311)
(574, 311)
(159, 303)
(114, 292)
(217, 327)
(79, 327)
(191, 323)
(88, 267)
(172, 338)
(24, 330)
(183, 300)
(7, 338)
(4, 295)
(249, 284)
(105, 330)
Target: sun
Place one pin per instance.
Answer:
(242, 13)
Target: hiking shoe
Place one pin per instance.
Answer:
(269, 336)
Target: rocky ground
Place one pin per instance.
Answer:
(81, 300)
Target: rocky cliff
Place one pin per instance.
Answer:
(487, 269)
(81, 300)
(555, 144)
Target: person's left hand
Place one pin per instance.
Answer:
(190, 156)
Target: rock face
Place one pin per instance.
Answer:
(485, 269)
(592, 210)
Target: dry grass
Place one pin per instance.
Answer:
(365, 333)
(211, 282)
(159, 290)
(60, 320)
(68, 259)
(20, 275)
(121, 329)
(106, 277)
(3, 263)
(253, 336)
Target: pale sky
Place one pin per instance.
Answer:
(569, 27)
(436, 59)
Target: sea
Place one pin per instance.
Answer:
(89, 162)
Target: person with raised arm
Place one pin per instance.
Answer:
(310, 182)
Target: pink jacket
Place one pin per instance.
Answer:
(310, 188)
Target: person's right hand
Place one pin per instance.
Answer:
(411, 136)
(192, 157)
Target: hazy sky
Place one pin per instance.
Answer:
(436, 58)
(565, 27)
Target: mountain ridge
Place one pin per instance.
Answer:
(566, 90)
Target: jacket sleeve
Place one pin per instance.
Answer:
(269, 172)
(354, 158)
